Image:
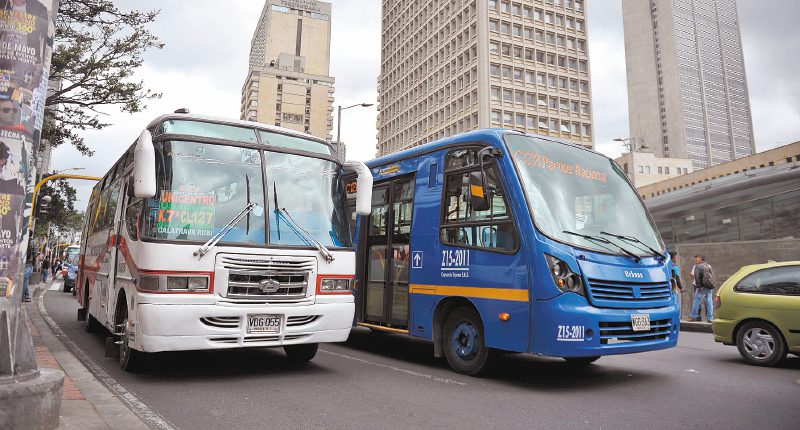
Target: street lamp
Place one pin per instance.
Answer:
(631, 145)
(339, 120)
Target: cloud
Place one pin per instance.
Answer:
(204, 64)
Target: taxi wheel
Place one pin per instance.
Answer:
(760, 343)
(302, 353)
(581, 361)
(463, 341)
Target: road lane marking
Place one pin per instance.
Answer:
(395, 368)
(134, 404)
(56, 286)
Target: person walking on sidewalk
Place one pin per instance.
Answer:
(704, 284)
(45, 268)
(675, 279)
(26, 295)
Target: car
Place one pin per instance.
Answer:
(70, 267)
(758, 310)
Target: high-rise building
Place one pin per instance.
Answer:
(687, 91)
(450, 66)
(287, 83)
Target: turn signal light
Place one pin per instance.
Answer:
(717, 302)
(504, 316)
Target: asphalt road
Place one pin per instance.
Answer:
(382, 381)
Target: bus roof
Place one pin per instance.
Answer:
(487, 135)
(236, 122)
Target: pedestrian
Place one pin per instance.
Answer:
(45, 268)
(56, 266)
(675, 279)
(704, 283)
(26, 295)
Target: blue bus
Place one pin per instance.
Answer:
(498, 240)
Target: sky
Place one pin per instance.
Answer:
(204, 64)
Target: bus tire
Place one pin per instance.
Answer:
(581, 361)
(302, 353)
(463, 342)
(130, 360)
(90, 325)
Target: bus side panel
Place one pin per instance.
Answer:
(493, 282)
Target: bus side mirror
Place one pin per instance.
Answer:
(477, 191)
(144, 166)
(363, 186)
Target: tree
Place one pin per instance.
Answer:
(60, 211)
(97, 49)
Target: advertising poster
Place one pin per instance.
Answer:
(26, 39)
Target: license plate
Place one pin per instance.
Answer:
(640, 322)
(263, 323)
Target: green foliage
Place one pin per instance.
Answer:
(61, 210)
(98, 47)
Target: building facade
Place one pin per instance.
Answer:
(288, 82)
(687, 90)
(449, 66)
(645, 168)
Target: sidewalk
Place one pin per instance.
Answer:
(86, 404)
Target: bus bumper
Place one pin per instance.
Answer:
(160, 327)
(567, 326)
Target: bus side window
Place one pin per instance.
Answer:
(492, 229)
(132, 212)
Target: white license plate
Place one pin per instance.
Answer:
(640, 322)
(263, 323)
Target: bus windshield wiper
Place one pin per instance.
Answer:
(604, 240)
(203, 250)
(305, 234)
(635, 240)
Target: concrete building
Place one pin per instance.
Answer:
(288, 82)
(450, 66)
(687, 90)
(786, 154)
(645, 168)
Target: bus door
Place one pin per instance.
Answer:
(107, 218)
(387, 253)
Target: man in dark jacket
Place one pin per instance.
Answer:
(704, 284)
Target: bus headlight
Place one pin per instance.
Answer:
(334, 285)
(148, 283)
(187, 283)
(563, 277)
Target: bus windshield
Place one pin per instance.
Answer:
(202, 187)
(579, 197)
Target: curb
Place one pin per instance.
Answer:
(703, 327)
(140, 415)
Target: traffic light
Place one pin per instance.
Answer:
(44, 204)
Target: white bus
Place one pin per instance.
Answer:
(213, 234)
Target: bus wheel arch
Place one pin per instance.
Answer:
(443, 309)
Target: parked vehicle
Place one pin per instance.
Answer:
(758, 310)
(69, 267)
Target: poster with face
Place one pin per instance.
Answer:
(26, 42)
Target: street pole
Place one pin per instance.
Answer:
(29, 397)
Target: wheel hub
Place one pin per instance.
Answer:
(464, 341)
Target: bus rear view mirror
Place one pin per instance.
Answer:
(477, 191)
(363, 186)
(144, 166)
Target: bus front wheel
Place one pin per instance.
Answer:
(130, 360)
(581, 361)
(464, 343)
(302, 353)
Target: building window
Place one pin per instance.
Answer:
(660, 170)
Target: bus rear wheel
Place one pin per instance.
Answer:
(463, 342)
(301, 353)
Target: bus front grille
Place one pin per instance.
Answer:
(624, 294)
(273, 279)
(620, 332)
